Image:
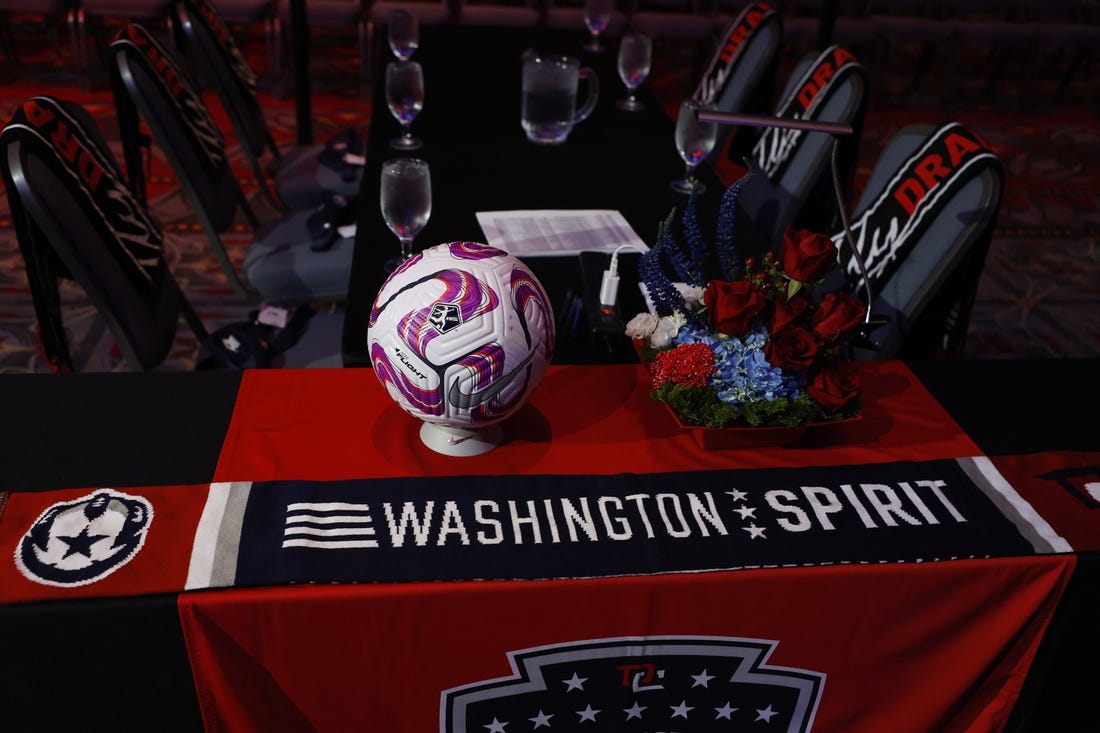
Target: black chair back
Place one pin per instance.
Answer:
(216, 53)
(150, 83)
(76, 217)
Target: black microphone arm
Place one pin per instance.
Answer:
(787, 123)
(837, 130)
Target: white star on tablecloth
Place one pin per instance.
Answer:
(746, 511)
(587, 714)
(738, 495)
(681, 710)
(635, 711)
(702, 678)
(542, 719)
(765, 714)
(496, 726)
(574, 683)
(725, 711)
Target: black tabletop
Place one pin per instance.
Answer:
(481, 161)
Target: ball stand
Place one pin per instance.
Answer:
(461, 442)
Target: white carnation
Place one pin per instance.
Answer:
(676, 321)
(666, 329)
(642, 325)
(693, 295)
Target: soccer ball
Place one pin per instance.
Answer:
(461, 334)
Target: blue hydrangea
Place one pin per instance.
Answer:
(743, 372)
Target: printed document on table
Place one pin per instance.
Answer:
(548, 232)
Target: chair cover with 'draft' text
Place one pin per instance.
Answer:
(923, 227)
(741, 73)
(792, 182)
(75, 217)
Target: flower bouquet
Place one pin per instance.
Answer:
(755, 345)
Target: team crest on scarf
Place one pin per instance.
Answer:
(79, 542)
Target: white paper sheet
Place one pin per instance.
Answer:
(549, 232)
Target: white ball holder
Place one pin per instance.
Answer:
(462, 442)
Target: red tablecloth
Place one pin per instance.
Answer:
(936, 646)
(874, 645)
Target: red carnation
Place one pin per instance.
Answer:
(688, 365)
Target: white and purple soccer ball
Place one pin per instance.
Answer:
(461, 334)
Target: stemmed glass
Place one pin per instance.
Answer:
(406, 201)
(597, 14)
(405, 98)
(635, 56)
(404, 33)
(694, 141)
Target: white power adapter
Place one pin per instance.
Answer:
(609, 285)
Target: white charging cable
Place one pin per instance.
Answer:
(609, 285)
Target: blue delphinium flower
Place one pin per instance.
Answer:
(666, 298)
(724, 243)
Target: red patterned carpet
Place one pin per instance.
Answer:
(1039, 296)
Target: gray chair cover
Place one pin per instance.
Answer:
(923, 225)
(802, 192)
(741, 73)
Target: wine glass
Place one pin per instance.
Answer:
(406, 202)
(635, 56)
(405, 98)
(404, 33)
(694, 141)
(597, 14)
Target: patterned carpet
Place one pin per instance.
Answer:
(1039, 296)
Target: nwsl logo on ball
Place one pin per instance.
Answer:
(445, 317)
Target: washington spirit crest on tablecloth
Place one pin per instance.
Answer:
(639, 684)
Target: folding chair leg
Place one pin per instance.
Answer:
(277, 57)
(1000, 60)
(927, 54)
(191, 318)
(1074, 67)
(363, 31)
(7, 41)
(76, 20)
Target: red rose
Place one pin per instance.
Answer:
(788, 311)
(731, 307)
(807, 256)
(837, 314)
(791, 349)
(834, 385)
